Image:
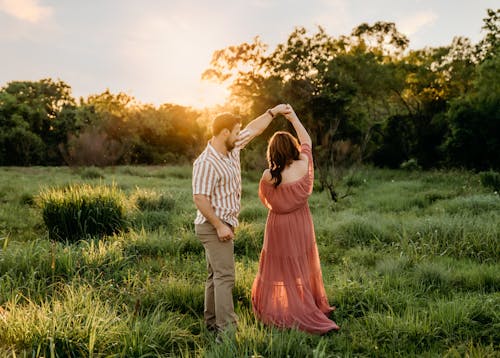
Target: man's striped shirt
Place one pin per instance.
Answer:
(219, 178)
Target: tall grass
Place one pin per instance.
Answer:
(80, 211)
(409, 258)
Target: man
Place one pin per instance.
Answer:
(216, 194)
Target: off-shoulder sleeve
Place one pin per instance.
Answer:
(263, 193)
(307, 150)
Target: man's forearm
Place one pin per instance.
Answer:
(259, 124)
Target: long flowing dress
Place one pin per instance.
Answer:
(288, 290)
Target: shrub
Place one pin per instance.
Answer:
(20, 146)
(152, 201)
(80, 211)
(490, 179)
(92, 172)
(354, 180)
(410, 165)
(92, 146)
(26, 199)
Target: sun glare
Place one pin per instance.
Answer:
(209, 94)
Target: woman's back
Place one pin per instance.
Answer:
(293, 172)
(296, 185)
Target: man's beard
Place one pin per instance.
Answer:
(229, 145)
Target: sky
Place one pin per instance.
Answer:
(156, 50)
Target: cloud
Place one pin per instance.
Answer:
(26, 10)
(412, 24)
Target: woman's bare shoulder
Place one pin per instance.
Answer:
(266, 176)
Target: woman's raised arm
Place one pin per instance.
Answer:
(304, 137)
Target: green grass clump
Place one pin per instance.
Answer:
(155, 210)
(80, 211)
(249, 240)
(490, 179)
(91, 173)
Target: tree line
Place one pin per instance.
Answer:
(364, 98)
(41, 124)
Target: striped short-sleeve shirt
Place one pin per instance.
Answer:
(219, 178)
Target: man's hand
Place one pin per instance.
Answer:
(224, 232)
(203, 204)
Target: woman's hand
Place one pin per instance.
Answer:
(304, 137)
(290, 114)
(283, 109)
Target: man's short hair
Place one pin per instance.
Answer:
(224, 120)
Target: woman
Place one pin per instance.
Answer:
(288, 290)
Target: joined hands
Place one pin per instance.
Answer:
(245, 135)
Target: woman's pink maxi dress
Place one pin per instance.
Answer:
(288, 290)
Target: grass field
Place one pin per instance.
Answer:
(410, 259)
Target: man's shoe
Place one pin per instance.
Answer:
(218, 338)
(212, 328)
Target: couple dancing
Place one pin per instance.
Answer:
(288, 291)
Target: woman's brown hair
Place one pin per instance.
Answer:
(282, 150)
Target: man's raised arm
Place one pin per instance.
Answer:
(259, 124)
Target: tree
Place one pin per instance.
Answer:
(474, 139)
(381, 39)
(340, 87)
(489, 46)
(31, 110)
(432, 78)
(170, 133)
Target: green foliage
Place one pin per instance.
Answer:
(489, 46)
(29, 114)
(19, 146)
(475, 121)
(150, 200)
(249, 240)
(362, 96)
(365, 90)
(475, 131)
(410, 164)
(490, 179)
(91, 173)
(41, 124)
(80, 211)
(155, 210)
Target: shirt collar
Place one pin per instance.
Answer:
(213, 150)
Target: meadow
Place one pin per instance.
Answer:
(410, 259)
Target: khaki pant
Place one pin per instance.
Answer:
(219, 309)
